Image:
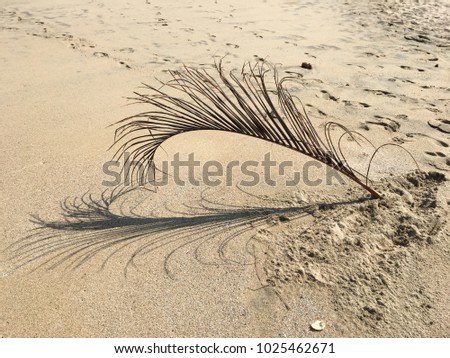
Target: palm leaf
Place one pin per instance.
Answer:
(245, 103)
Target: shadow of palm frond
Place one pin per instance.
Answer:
(90, 228)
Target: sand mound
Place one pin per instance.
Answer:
(367, 254)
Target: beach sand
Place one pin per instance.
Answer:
(224, 261)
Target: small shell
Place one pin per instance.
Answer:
(318, 325)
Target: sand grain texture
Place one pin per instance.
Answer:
(196, 261)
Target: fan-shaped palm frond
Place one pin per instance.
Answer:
(244, 103)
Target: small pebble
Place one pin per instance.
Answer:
(318, 325)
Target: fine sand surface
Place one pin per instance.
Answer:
(227, 261)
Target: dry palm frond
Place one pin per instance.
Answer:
(239, 103)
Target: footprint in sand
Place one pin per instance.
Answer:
(359, 66)
(162, 21)
(322, 113)
(438, 141)
(329, 96)
(436, 154)
(124, 64)
(292, 73)
(380, 93)
(411, 68)
(65, 35)
(439, 160)
(435, 110)
(127, 50)
(101, 54)
(401, 116)
(370, 54)
(400, 140)
(388, 123)
(442, 125)
(351, 103)
(394, 79)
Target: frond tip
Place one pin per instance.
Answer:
(246, 103)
